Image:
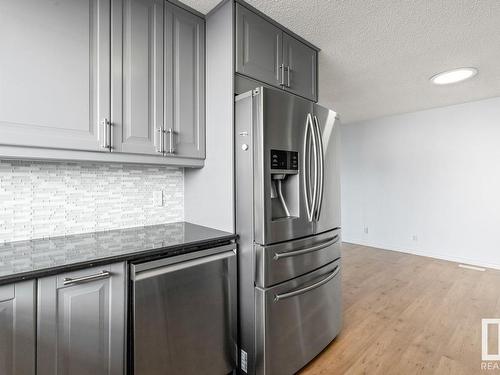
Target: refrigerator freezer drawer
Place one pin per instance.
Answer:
(288, 260)
(297, 320)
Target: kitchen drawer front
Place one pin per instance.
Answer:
(302, 317)
(285, 261)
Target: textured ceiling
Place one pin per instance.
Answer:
(378, 55)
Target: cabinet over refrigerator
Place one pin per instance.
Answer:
(288, 219)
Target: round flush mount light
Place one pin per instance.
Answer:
(453, 76)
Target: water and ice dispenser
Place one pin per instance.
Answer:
(284, 178)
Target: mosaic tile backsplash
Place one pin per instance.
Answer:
(43, 199)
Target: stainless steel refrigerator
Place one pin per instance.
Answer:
(288, 220)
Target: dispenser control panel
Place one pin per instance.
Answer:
(284, 160)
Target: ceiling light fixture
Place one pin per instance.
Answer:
(453, 76)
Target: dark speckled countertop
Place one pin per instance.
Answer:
(22, 260)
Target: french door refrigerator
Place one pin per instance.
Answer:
(288, 220)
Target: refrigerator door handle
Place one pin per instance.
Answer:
(279, 297)
(321, 174)
(289, 254)
(310, 203)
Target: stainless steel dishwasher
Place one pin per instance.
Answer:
(184, 313)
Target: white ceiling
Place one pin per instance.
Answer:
(378, 55)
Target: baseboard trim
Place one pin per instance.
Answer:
(435, 255)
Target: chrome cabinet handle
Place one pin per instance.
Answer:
(282, 75)
(310, 203)
(279, 297)
(161, 132)
(289, 254)
(288, 70)
(84, 279)
(110, 132)
(171, 149)
(321, 175)
(106, 132)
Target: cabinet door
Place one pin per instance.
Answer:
(17, 328)
(54, 73)
(81, 322)
(184, 83)
(142, 90)
(300, 68)
(258, 47)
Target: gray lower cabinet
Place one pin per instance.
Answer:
(55, 64)
(184, 83)
(300, 63)
(81, 322)
(17, 328)
(259, 51)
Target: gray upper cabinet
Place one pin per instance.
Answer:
(300, 63)
(266, 53)
(162, 81)
(184, 84)
(126, 76)
(55, 64)
(81, 322)
(17, 328)
(139, 127)
(259, 51)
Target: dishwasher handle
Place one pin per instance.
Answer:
(158, 271)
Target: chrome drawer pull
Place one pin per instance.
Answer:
(330, 242)
(84, 279)
(279, 297)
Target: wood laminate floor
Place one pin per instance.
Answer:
(406, 314)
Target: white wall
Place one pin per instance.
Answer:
(209, 191)
(433, 174)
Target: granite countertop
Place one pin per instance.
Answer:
(22, 260)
